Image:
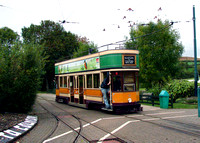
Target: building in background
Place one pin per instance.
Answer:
(188, 64)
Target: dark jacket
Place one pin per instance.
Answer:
(105, 82)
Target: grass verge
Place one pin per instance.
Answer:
(178, 106)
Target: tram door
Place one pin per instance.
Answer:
(71, 84)
(81, 82)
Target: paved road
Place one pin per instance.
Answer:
(153, 125)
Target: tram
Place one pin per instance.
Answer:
(78, 80)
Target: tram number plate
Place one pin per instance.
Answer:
(129, 60)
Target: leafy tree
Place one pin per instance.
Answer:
(58, 45)
(8, 36)
(20, 71)
(85, 49)
(159, 50)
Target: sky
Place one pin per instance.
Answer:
(104, 21)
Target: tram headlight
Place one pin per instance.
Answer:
(129, 100)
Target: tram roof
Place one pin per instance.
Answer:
(107, 52)
(128, 59)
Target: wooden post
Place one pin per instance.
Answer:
(152, 99)
(172, 101)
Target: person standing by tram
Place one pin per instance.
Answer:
(105, 90)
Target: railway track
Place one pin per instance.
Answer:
(60, 119)
(78, 129)
(184, 128)
(166, 122)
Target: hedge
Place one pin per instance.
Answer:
(20, 71)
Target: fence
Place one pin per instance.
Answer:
(150, 98)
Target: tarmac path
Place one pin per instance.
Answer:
(63, 123)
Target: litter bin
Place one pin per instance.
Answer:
(164, 99)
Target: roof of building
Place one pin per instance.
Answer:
(188, 59)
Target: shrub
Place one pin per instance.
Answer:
(180, 88)
(156, 89)
(20, 71)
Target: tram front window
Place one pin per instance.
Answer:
(129, 81)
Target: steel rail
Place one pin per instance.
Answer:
(59, 119)
(121, 140)
(186, 130)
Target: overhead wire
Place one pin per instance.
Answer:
(145, 35)
(122, 41)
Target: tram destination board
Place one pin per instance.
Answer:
(129, 60)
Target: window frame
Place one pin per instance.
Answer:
(87, 82)
(61, 81)
(98, 80)
(133, 84)
(65, 77)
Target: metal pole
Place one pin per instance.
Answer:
(195, 53)
(195, 61)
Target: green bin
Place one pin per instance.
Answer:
(164, 99)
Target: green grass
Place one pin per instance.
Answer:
(185, 106)
(178, 106)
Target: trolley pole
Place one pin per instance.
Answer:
(195, 62)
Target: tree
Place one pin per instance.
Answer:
(20, 71)
(8, 36)
(58, 45)
(159, 49)
(85, 49)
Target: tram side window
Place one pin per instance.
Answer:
(76, 79)
(65, 81)
(61, 81)
(137, 81)
(80, 79)
(89, 81)
(104, 75)
(96, 80)
(129, 83)
(56, 84)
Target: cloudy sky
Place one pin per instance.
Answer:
(104, 21)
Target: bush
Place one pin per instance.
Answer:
(156, 89)
(20, 71)
(180, 89)
(190, 100)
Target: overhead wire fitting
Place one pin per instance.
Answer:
(170, 24)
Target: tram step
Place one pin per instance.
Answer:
(106, 109)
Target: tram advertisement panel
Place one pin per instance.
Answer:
(82, 65)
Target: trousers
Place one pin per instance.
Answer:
(104, 92)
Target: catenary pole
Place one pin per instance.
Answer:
(195, 53)
(195, 62)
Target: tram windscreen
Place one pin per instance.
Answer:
(129, 83)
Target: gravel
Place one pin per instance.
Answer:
(8, 120)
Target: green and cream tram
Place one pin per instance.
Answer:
(78, 80)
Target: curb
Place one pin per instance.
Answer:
(11, 134)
